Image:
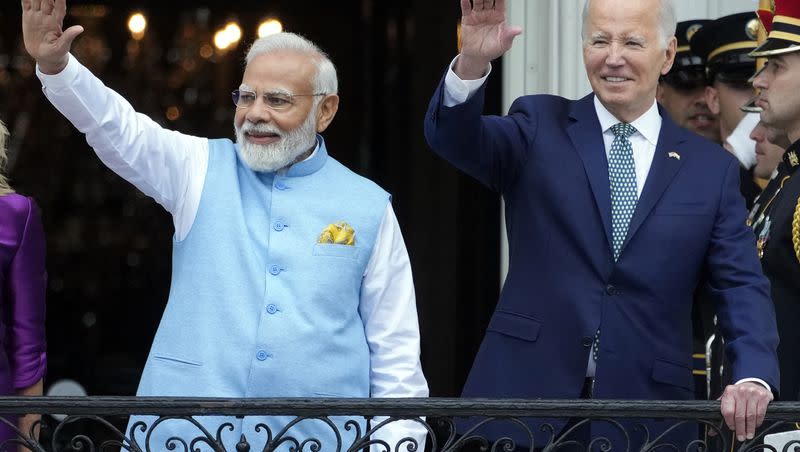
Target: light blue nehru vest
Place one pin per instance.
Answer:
(257, 307)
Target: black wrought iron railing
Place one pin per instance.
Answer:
(386, 425)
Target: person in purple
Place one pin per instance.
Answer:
(23, 358)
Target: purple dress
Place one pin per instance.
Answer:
(23, 282)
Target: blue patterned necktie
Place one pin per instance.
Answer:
(622, 178)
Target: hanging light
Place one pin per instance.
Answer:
(227, 36)
(137, 24)
(269, 27)
(221, 40)
(234, 32)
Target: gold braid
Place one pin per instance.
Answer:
(796, 230)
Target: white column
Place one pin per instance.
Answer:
(547, 57)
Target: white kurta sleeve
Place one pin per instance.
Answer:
(166, 165)
(389, 312)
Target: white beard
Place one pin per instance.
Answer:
(282, 153)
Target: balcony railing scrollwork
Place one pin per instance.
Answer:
(385, 425)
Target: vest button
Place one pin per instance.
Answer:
(262, 355)
(611, 290)
(274, 270)
(587, 341)
(278, 225)
(272, 308)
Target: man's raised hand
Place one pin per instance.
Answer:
(484, 36)
(42, 31)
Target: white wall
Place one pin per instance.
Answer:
(547, 57)
(711, 9)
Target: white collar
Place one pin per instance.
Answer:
(648, 124)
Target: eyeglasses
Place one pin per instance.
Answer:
(274, 100)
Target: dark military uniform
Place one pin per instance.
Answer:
(748, 186)
(775, 219)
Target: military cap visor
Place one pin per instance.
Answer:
(751, 107)
(685, 60)
(784, 37)
(687, 79)
(734, 75)
(774, 46)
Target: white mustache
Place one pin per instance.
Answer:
(249, 127)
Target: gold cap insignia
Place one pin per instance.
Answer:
(692, 30)
(339, 233)
(752, 29)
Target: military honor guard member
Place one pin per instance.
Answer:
(725, 45)
(775, 218)
(682, 91)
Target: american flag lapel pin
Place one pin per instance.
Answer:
(674, 155)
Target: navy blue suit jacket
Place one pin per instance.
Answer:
(548, 160)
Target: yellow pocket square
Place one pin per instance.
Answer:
(339, 233)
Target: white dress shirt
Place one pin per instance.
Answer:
(171, 167)
(644, 142)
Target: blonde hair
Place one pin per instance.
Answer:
(4, 187)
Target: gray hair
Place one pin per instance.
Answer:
(325, 80)
(667, 21)
(4, 187)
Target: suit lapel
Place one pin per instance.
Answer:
(587, 138)
(666, 163)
